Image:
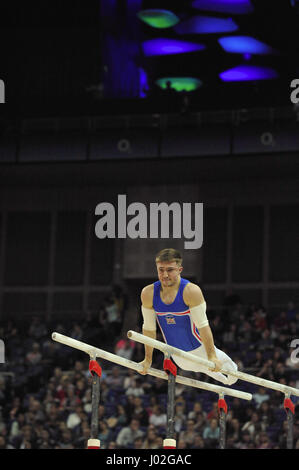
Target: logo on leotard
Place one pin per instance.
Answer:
(170, 320)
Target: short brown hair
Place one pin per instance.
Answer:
(168, 255)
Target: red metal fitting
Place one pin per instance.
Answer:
(95, 368)
(288, 404)
(170, 367)
(222, 405)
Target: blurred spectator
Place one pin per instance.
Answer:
(179, 417)
(130, 379)
(181, 444)
(139, 411)
(113, 319)
(124, 348)
(245, 332)
(115, 379)
(281, 341)
(37, 328)
(260, 319)
(240, 409)
(4, 444)
(211, 434)
(216, 324)
(263, 441)
(127, 435)
(150, 441)
(112, 445)
(230, 336)
(260, 396)
(281, 322)
(278, 355)
(159, 386)
(159, 441)
(120, 299)
(291, 311)
(265, 343)
(81, 441)
(158, 417)
(66, 440)
(77, 332)
(266, 415)
(213, 413)
(138, 443)
(105, 434)
(138, 352)
(280, 373)
(196, 411)
(188, 434)
(34, 356)
(293, 329)
(258, 361)
(233, 431)
(253, 425)
(44, 441)
(137, 389)
(28, 437)
(267, 370)
(246, 441)
(119, 418)
(74, 418)
(198, 442)
(282, 439)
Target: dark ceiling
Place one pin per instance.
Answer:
(71, 58)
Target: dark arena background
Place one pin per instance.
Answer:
(162, 102)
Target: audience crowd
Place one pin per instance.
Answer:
(45, 387)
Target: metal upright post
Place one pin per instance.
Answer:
(96, 372)
(171, 370)
(222, 408)
(290, 411)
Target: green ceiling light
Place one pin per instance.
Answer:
(179, 83)
(158, 18)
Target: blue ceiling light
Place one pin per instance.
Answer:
(232, 7)
(158, 18)
(244, 45)
(143, 83)
(243, 73)
(164, 46)
(206, 25)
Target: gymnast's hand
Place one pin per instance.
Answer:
(218, 364)
(145, 366)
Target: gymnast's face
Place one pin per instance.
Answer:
(168, 273)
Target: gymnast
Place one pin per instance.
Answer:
(179, 308)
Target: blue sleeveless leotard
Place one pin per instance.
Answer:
(175, 320)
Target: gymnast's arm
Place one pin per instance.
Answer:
(149, 324)
(193, 297)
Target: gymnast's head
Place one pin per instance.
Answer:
(169, 266)
(169, 255)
